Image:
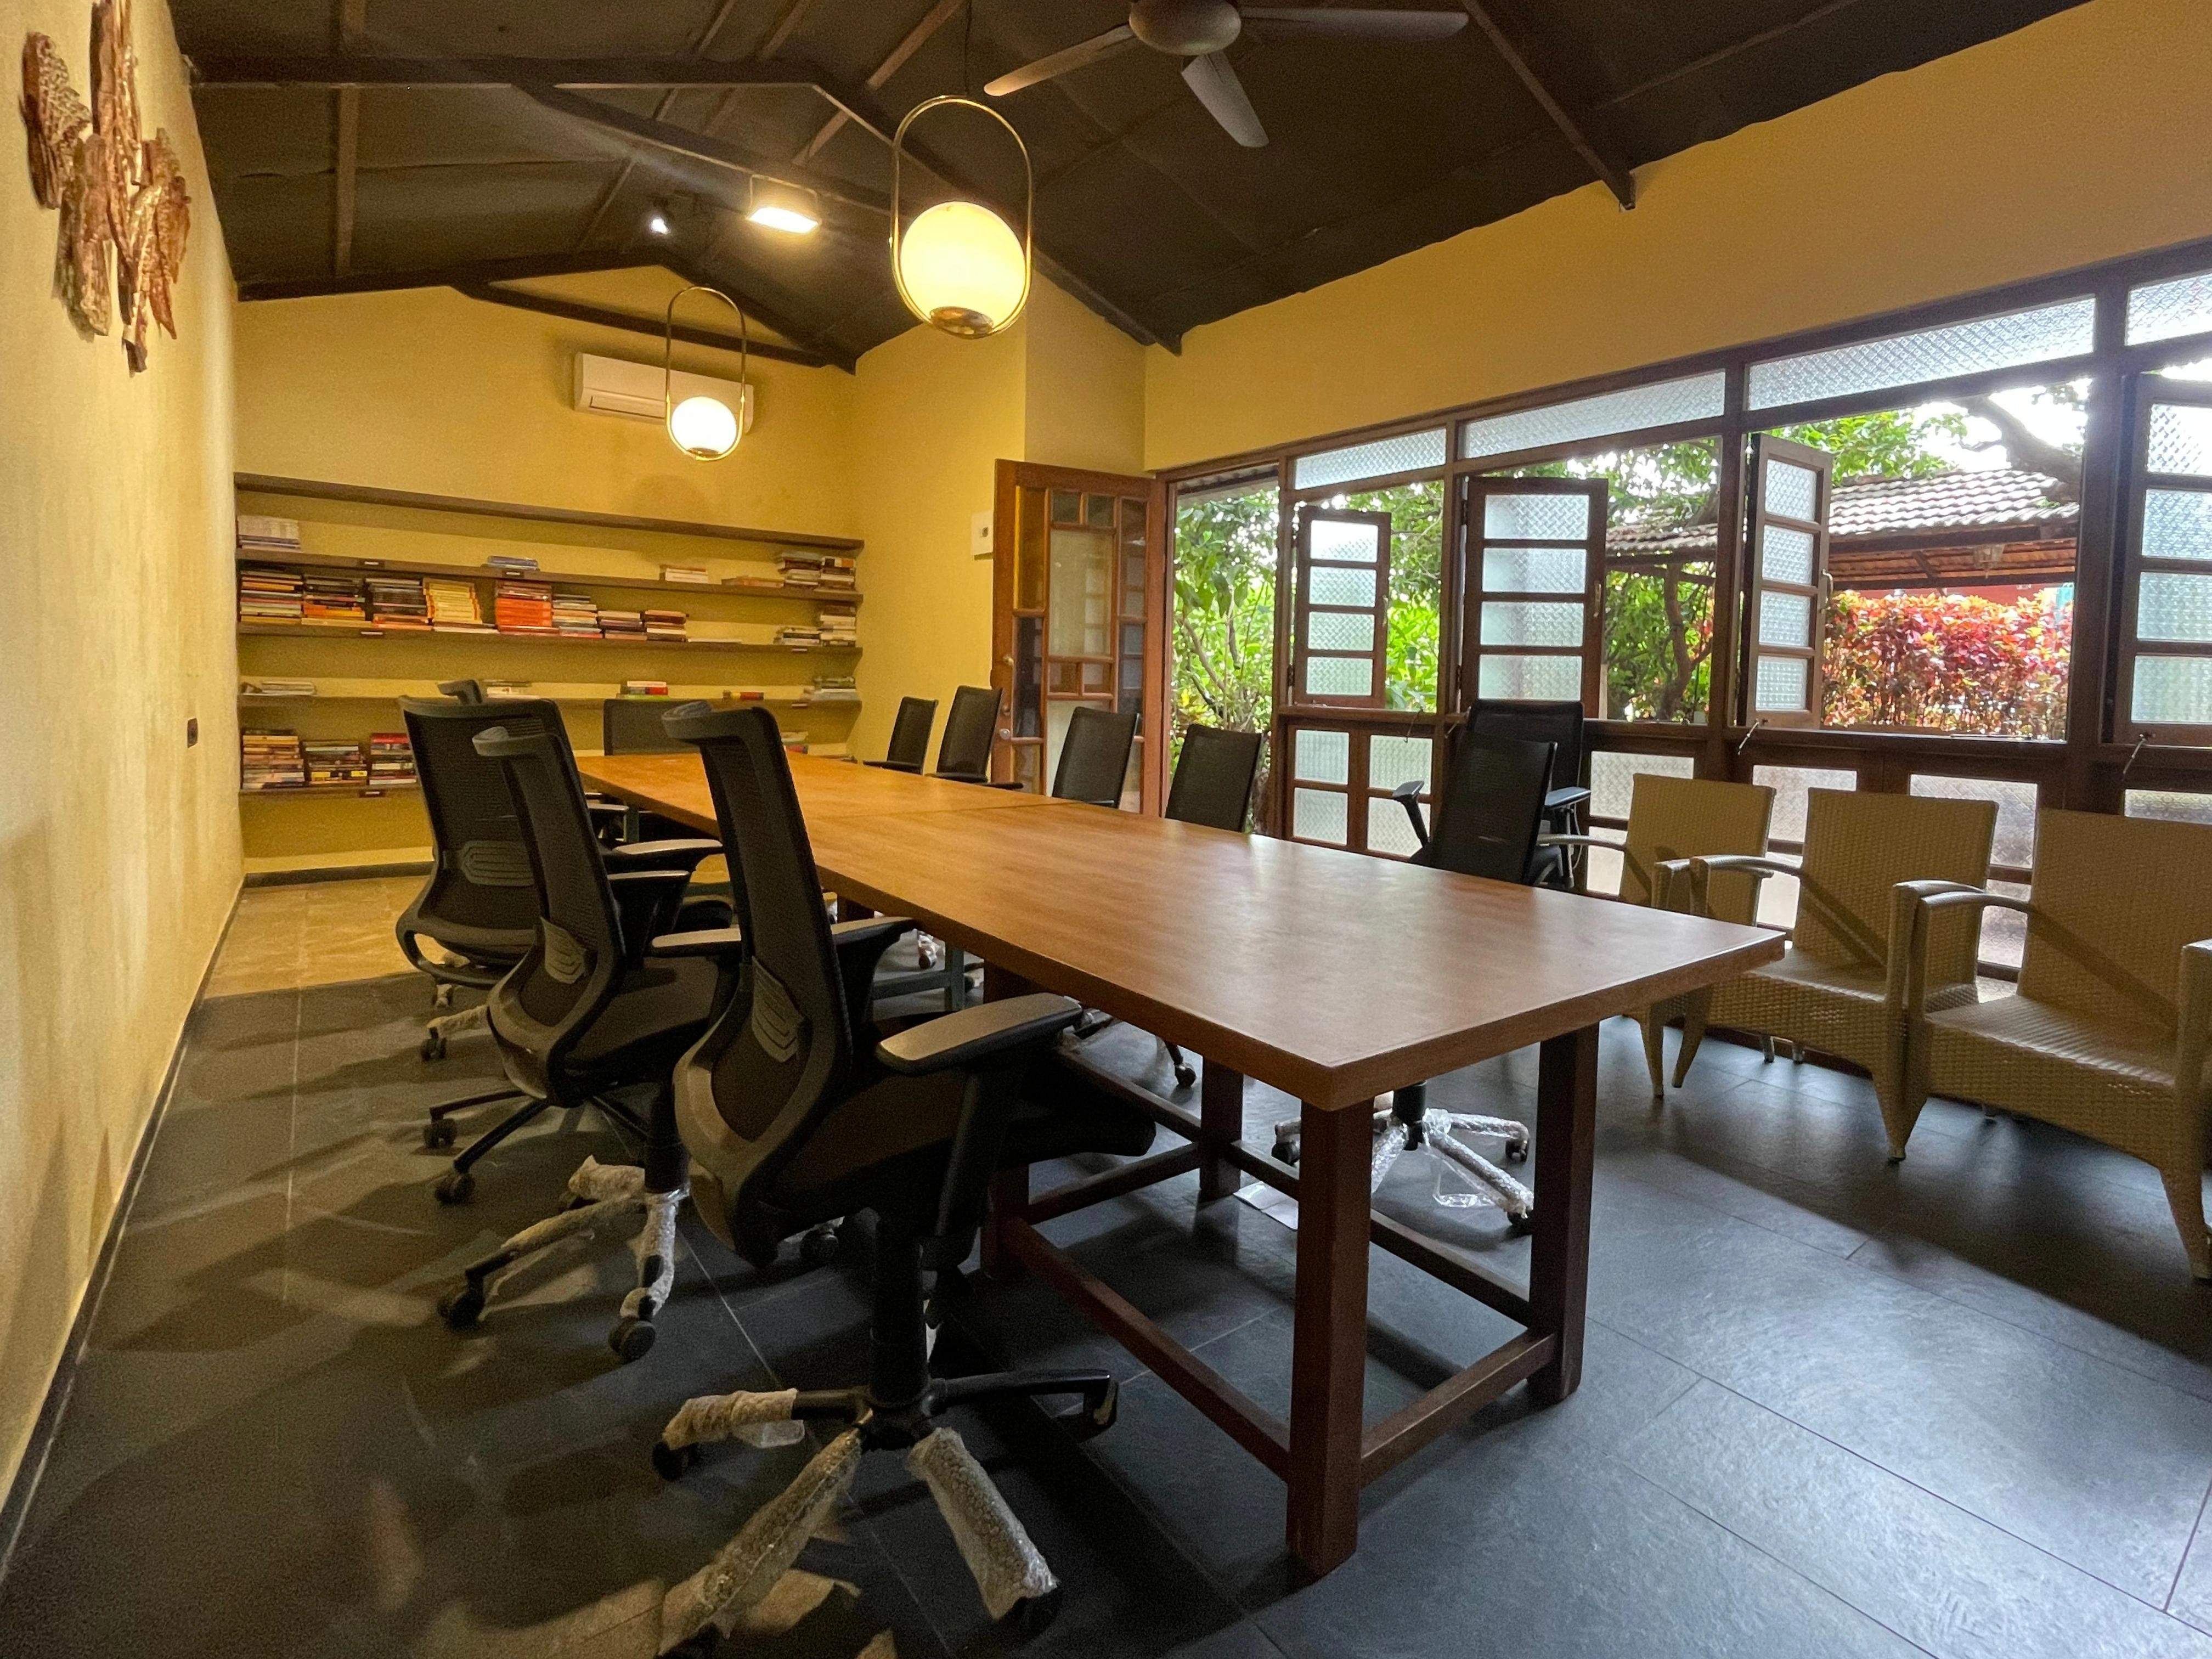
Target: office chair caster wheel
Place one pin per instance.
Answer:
(1519, 1226)
(434, 1045)
(1032, 1616)
(1286, 1151)
(1185, 1075)
(631, 1339)
(820, 1246)
(438, 1133)
(462, 1306)
(673, 1462)
(455, 1187)
(1095, 1420)
(1516, 1151)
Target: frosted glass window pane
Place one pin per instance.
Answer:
(1520, 624)
(1536, 518)
(1532, 569)
(1348, 543)
(2176, 524)
(1316, 815)
(1613, 777)
(2173, 690)
(1341, 676)
(1341, 630)
(1323, 756)
(2181, 440)
(1394, 761)
(1789, 784)
(1696, 398)
(2015, 841)
(1781, 689)
(2183, 805)
(1388, 829)
(1786, 554)
(2004, 932)
(2065, 329)
(1530, 679)
(2173, 607)
(2166, 310)
(1410, 452)
(1336, 586)
(1791, 489)
(1785, 619)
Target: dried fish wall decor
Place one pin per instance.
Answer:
(121, 197)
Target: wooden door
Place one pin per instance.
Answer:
(1079, 609)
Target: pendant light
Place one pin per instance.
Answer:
(958, 266)
(704, 428)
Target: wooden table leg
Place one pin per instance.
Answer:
(1559, 1268)
(1329, 1354)
(1221, 1120)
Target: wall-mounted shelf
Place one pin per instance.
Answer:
(355, 631)
(741, 587)
(391, 691)
(261, 483)
(369, 791)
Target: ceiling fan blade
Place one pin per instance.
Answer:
(1073, 58)
(1223, 94)
(1350, 23)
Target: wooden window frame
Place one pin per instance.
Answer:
(1474, 491)
(1304, 609)
(1760, 517)
(2148, 393)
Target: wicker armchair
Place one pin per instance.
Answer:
(1669, 821)
(2107, 1035)
(1840, 986)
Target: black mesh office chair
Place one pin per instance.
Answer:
(793, 1115)
(593, 1007)
(963, 754)
(482, 901)
(462, 690)
(1094, 756)
(1561, 725)
(909, 748)
(1489, 812)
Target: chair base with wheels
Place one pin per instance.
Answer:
(1464, 1178)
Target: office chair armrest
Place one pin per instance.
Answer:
(647, 901)
(913, 767)
(1567, 799)
(699, 942)
(685, 855)
(973, 1037)
(1408, 795)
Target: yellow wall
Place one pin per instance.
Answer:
(1085, 388)
(2080, 138)
(119, 846)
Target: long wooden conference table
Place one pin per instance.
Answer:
(1332, 976)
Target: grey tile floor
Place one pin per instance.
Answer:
(1959, 1407)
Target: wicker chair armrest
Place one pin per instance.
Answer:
(2196, 1034)
(1910, 903)
(1698, 872)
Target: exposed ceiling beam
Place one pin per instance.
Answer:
(345, 169)
(600, 316)
(701, 43)
(578, 74)
(786, 26)
(699, 265)
(474, 270)
(1514, 45)
(935, 19)
(1713, 59)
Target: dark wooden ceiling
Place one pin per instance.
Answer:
(373, 142)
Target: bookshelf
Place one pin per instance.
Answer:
(358, 669)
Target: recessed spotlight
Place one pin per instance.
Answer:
(784, 207)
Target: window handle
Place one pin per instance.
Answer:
(1750, 733)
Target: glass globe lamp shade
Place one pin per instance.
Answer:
(963, 269)
(704, 429)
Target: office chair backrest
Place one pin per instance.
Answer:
(568, 976)
(965, 749)
(1490, 807)
(1094, 756)
(909, 743)
(462, 690)
(1559, 723)
(1213, 777)
(481, 876)
(776, 1059)
(633, 726)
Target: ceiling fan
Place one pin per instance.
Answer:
(1202, 30)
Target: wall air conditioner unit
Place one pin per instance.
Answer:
(612, 386)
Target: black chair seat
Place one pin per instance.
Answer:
(664, 1002)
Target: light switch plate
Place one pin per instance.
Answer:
(979, 536)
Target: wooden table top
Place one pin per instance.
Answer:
(1333, 976)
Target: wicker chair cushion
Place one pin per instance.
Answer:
(2119, 897)
(1691, 817)
(1859, 844)
(1840, 1009)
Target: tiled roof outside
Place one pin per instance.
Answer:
(2003, 499)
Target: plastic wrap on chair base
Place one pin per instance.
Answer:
(611, 1193)
(446, 1027)
(1482, 1182)
(654, 1247)
(1007, 1566)
(758, 1420)
(744, 1570)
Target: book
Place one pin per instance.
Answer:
(453, 605)
(696, 574)
(258, 534)
(575, 615)
(645, 688)
(623, 625)
(267, 594)
(523, 607)
(397, 601)
(268, 687)
(270, 760)
(516, 564)
(391, 757)
(667, 627)
(332, 760)
(331, 599)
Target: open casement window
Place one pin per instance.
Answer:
(1787, 558)
(2166, 637)
(1342, 623)
(1532, 626)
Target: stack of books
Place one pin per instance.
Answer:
(645, 688)
(841, 626)
(333, 760)
(266, 594)
(332, 601)
(695, 573)
(575, 615)
(523, 607)
(453, 605)
(391, 758)
(799, 637)
(397, 601)
(668, 627)
(511, 564)
(799, 569)
(270, 760)
(623, 625)
(496, 689)
(795, 741)
(257, 534)
(269, 687)
(834, 688)
(839, 575)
